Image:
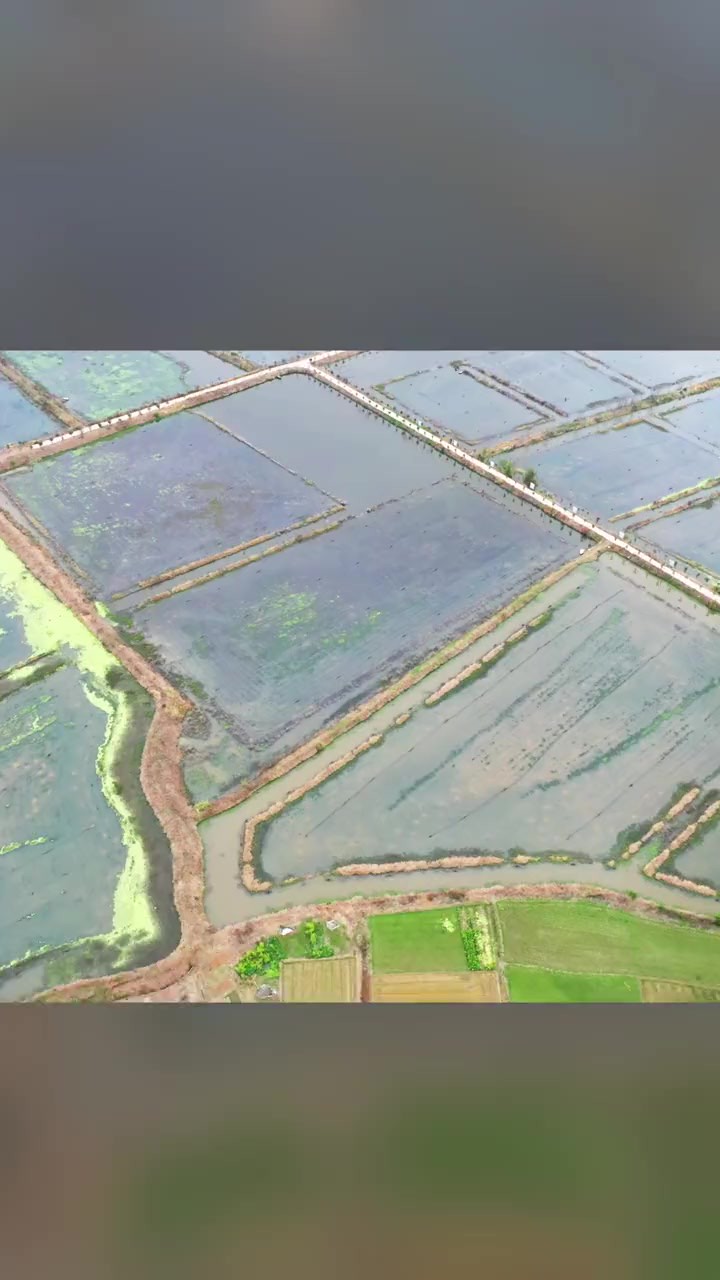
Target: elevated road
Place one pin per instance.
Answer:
(526, 492)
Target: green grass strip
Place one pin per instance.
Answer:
(529, 985)
(588, 937)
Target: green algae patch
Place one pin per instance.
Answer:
(70, 751)
(47, 623)
(132, 909)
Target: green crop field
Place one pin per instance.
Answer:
(529, 985)
(417, 942)
(586, 937)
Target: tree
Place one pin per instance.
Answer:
(506, 467)
(530, 477)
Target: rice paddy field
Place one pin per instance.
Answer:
(570, 950)
(662, 369)
(323, 436)
(20, 419)
(98, 384)
(146, 500)
(446, 390)
(85, 869)
(699, 420)
(693, 535)
(561, 380)
(611, 471)
(575, 735)
(275, 651)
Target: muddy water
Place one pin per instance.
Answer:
(701, 860)
(542, 781)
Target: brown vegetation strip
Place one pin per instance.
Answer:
(249, 875)
(698, 500)
(660, 825)
(692, 886)
(160, 774)
(436, 660)
(468, 672)
(652, 867)
(238, 564)
(233, 357)
(692, 491)
(229, 551)
(44, 399)
(453, 862)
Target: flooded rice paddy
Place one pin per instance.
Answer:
(699, 420)
(97, 384)
(327, 438)
(611, 470)
(562, 380)
(20, 419)
(277, 650)
(661, 369)
(578, 733)
(693, 535)
(445, 387)
(157, 497)
(85, 869)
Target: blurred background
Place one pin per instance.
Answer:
(342, 1142)
(510, 174)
